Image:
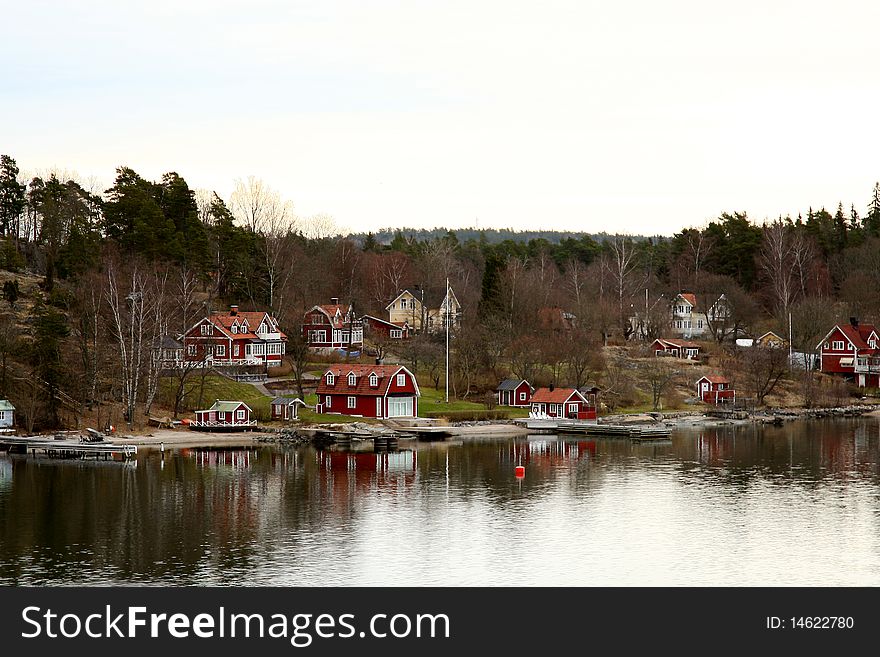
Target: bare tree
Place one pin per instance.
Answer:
(777, 262)
(658, 373)
(761, 369)
(621, 264)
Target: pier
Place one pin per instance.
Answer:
(69, 449)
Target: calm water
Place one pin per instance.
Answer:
(798, 504)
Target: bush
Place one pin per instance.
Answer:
(282, 370)
(469, 416)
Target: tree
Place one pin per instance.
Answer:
(12, 197)
(621, 265)
(49, 329)
(761, 369)
(11, 292)
(658, 373)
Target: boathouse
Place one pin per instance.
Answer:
(7, 416)
(225, 416)
(514, 392)
(380, 391)
(566, 403)
(285, 408)
(715, 389)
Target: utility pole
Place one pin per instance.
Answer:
(446, 303)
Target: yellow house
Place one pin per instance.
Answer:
(409, 306)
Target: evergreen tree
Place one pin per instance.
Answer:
(12, 196)
(49, 329)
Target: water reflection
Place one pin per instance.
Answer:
(796, 504)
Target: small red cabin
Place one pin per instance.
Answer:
(380, 391)
(676, 348)
(224, 416)
(285, 408)
(714, 389)
(562, 402)
(514, 392)
(376, 327)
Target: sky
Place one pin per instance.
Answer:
(635, 116)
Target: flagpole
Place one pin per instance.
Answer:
(447, 339)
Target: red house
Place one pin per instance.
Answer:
(514, 392)
(235, 338)
(332, 326)
(562, 402)
(851, 351)
(676, 348)
(380, 328)
(224, 416)
(285, 408)
(380, 391)
(714, 389)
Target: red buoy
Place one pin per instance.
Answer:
(520, 471)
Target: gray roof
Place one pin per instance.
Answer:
(227, 405)
(510, 384)
(286, 401)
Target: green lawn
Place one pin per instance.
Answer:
(216, 387)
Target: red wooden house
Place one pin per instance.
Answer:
(380, 391)
(383, 329)
(285, 408)
(851, 351)
(562, 402)
(224, 416)
(514, 392)
(714, 389)
(676, 348)
(332, 326)
(235, 338)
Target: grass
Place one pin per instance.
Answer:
(218, 387)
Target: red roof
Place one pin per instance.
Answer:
(385, 374)
(225, 321)
(555, 396)
(679, 343)
(689, 297)
(714, 378)
(330, 310)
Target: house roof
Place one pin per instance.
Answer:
(511, 384)
(555, 396)
(714, 378)
(414, 294)
(335, 312)
(689, 297)
(286, 401)
(225, 320)
(225, 406)
(6, 405)
(770, 335)
(678, 343)
(857, 335)
(385, 374)
(385, 322)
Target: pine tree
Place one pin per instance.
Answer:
(12, 196)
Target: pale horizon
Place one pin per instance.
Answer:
(573, 116)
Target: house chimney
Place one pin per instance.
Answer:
(334, 301)
(552, 387)
(233, 311)
(854, 321)
(378, 361)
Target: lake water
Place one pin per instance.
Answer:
(792, 505)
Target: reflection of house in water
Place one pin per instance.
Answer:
(236, 459)
(5, 474)
(547, 452)
(368, 470)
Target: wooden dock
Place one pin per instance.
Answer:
(67, 449)
(634, 431)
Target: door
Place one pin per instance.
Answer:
(400, 406)
(379, 407)
(572, 410)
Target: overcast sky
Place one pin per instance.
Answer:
(639, 116)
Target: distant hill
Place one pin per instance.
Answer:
(489, 235)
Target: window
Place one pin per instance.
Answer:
(374, 380)
(234, 328)
(352, 380)
(262, 328)
(206, 329)
(191, 350)
(221, 350)
(396, 333)
(872, 344)
(240, 414)
(401, 379)
(330, 378)
(352, 402)
(328, 401)
(699, 323)
(522, 396)
(838, 345)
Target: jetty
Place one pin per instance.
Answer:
(633, 431)
(66, 448)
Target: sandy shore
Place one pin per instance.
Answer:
(185, 438)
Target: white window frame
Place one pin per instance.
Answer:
(522, 396)
(191, 350)
(240, 414)
(206, 329)
(838, 345)
(234, 328)
(330, 378)
(374, 380)
(352, 402)
(352, 380)
(328, 401)
(220, 350)
(401, 380)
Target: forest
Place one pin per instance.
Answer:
(93, 279)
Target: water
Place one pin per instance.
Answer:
(796, 505)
